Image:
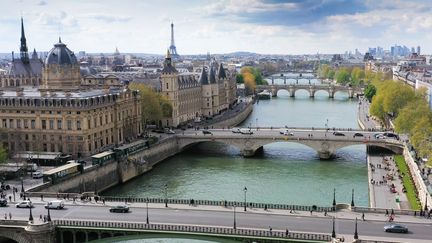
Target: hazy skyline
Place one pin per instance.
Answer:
(218, 26)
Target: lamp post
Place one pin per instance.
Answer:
(22, 183)
(333, 229)
(334, 199)
(147, 217)
(245, 190)
(13, 191)
(166, 195)
(31, 215)
(256, 123)
(425, 207)
(234, 226)
(49, 215)
(352, 198)
(355, 231)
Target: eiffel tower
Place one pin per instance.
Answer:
(172, 48)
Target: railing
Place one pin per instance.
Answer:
(386, 210)
(195, 229)
(219, 203)
(13, 222)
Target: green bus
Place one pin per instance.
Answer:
(102, 158)
(130, 149)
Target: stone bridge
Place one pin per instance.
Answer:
(311, 88)
(323, 142)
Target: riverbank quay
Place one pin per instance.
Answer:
(98, 178)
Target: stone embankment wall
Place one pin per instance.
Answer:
(99, 178)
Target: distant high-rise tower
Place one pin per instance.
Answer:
(172, 48)
(418, 50)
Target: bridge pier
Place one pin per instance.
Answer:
(325, 155)
(247, 153)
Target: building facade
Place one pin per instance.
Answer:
(196, 96)
(62, 115)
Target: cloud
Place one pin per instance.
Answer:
(110, 18)
(42, 3)
(227, 7)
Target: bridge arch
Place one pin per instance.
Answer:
(11, 236)
(278, 92)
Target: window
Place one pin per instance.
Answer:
(18, 123)
(44, 124)
(167, 85)
(95, 122)
(33, 124)
(100, 120)
(25, 123)
(88, 123)
(59, 124)
(4, 123)
(69, 124)
(78, 125)
(11, 123)
(51, 124)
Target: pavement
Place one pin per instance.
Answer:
(367, 121)
(253, 218)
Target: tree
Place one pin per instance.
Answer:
(376, 108)
(239, 78)
(369, 92)
(342, 76)
(155, 106)
(357, 74)
(3, 154)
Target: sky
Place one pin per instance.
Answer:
(217, 26)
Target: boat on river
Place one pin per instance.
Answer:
(264, 95)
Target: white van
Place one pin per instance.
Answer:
(37, 174)
(246, 131)
(55, 204)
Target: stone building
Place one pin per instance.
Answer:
(196, 96)
(62, 115)
(24, 70)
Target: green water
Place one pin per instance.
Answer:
(285, 173)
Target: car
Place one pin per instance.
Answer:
(246, 131)
(283, 130)
(207, 132)
(235, 130)
(24, 204)
(338, 134)
(377, 135)
(37, 175)
(380, 136)
(391, 135)
(119, 209)
(357, 134)
(55, 204)
(395, 228)
(287, 133)
(3, 202)
(169, 131)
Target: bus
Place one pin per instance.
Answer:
(60, 172)
(102, 158)
(130, 149)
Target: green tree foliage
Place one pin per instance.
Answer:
(239, 78)
(357, 75)
(369, 92)
(251, 77)
(3, 154)
(155, 106)
(342, 76)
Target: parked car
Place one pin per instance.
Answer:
(395, 228)
(235, 130)
(378, 135)
(338, 134)
(357, 134)
(3, 202)
(37, 174)
(55, 204)
(283, 130)
(207, 132)
(119, 209)
(391, 135)
(24, 204)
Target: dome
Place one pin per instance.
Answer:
(60, 54)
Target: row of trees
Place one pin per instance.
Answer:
(155, 106)
(409, 110)
(354, 76)
(251, 77)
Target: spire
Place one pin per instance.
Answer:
(59, 39)
(23, 48)
(172, 48)
(168, 54)
(221, 74)
(34, 55)
(212, 75)
(204, 78)
(168, 66)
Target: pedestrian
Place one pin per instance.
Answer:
(325, 212)
(44, 218)
(392, 212)
(386, 212)
(10, 198)
(103, 201)
(363, 217)
(40, 217)
(311, 212)
(270, 230)
(265, 207)
(286, 233)
(5, 215)
(10, 215)
(41, 197)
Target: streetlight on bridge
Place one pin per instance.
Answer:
(333, 229)
(234, 207)
(355, 230)
(245, 190)
(31, 215)
(147, 217)
(49, 215)
(166, 195)
(334, 199)
(352, 198)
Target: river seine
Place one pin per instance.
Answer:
(284, 173)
